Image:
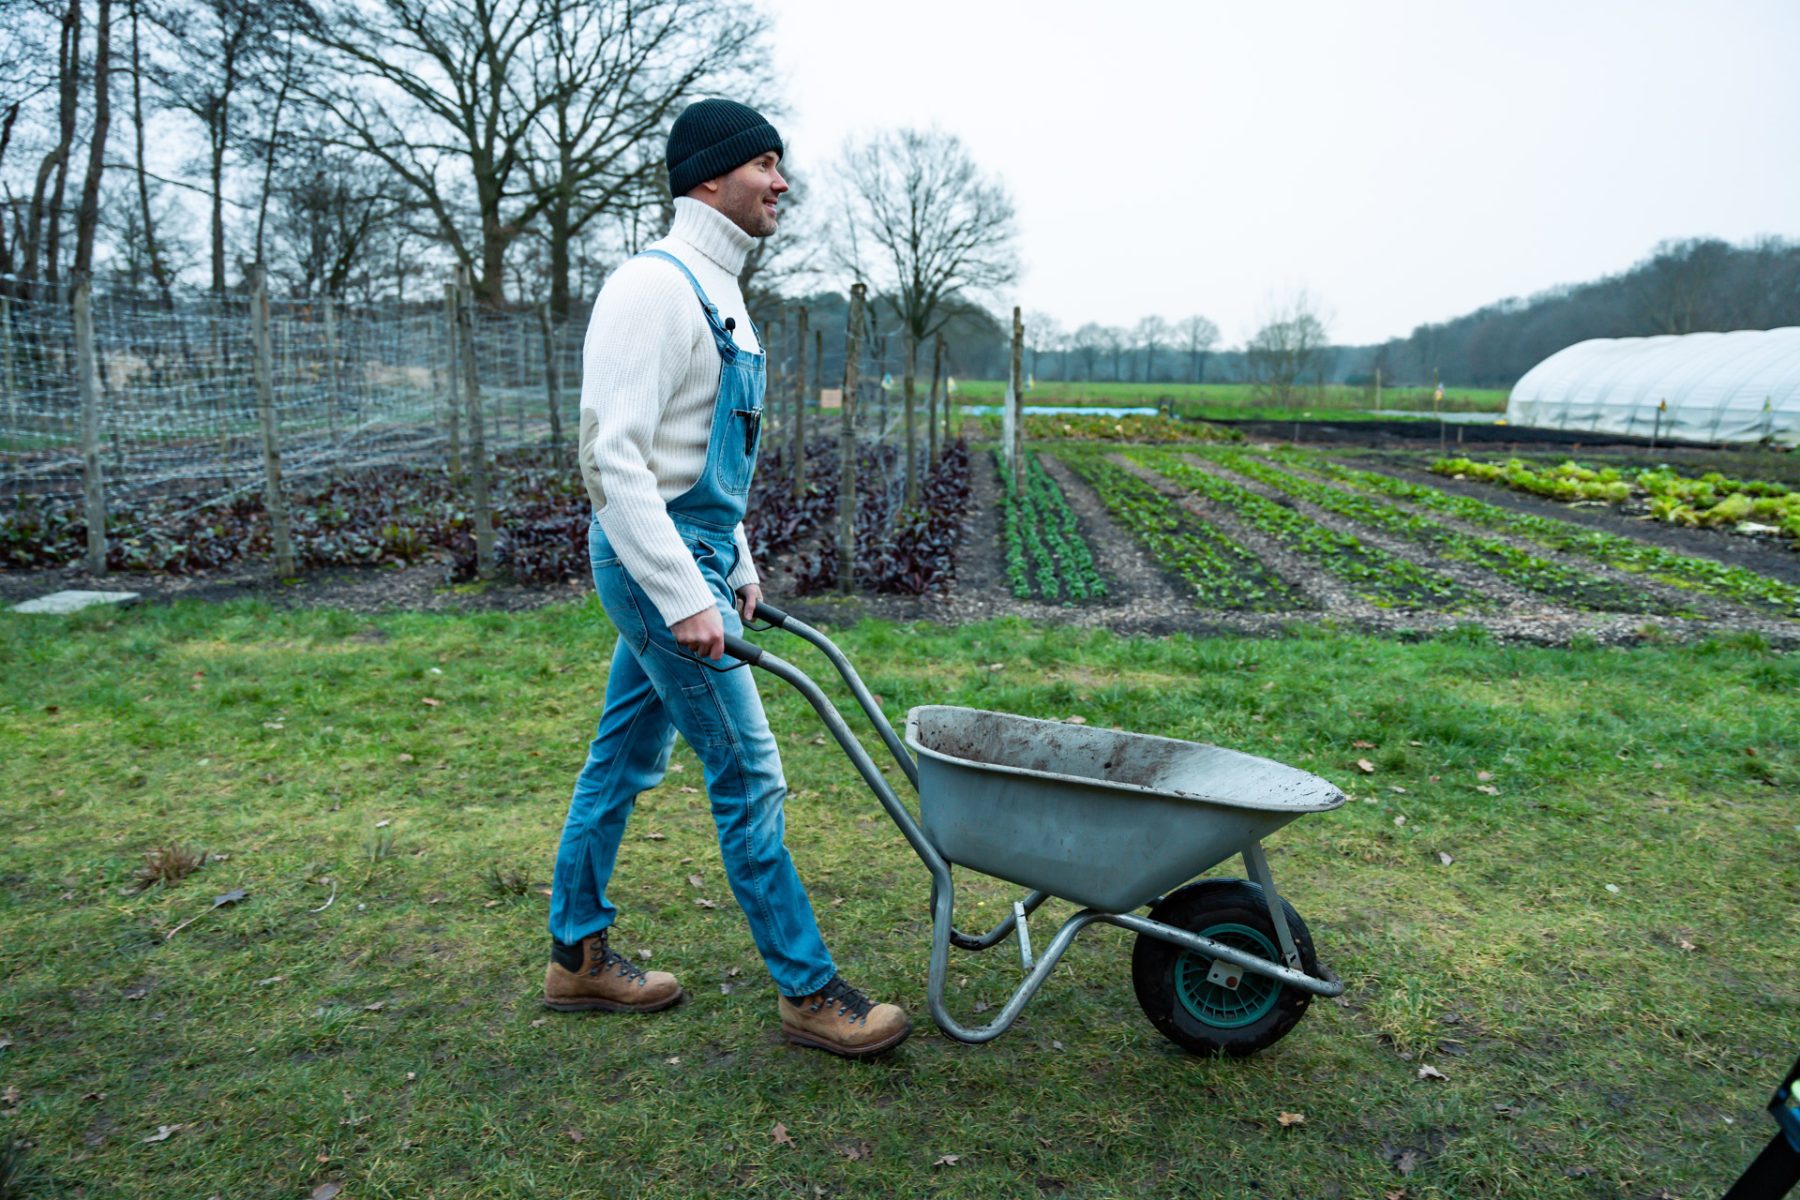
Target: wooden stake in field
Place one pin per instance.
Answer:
(453, 377)
(263, 365)
(1015, 431)
(931, 401)
(87, 379)
(1377, 389)
(551, 398)
(912, 445)
(847, 448)
(484, 512)
(800, 403)
(937, 359)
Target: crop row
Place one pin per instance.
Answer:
(1222, 573)
(1713, 499)
(1627, 554)
(1381, 578)
(1044, 545)
(1518, 567)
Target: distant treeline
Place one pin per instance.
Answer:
(1702, 284)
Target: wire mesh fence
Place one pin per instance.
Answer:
(353, 387)
(370, 409)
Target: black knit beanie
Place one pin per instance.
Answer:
(712, 137)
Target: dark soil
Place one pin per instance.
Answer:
(1142, 597)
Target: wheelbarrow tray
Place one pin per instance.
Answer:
(1104, 818)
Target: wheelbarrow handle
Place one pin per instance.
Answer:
(768, 612)
(737, 647)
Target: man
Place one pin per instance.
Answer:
(671, 407)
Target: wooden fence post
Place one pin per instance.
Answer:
(87, 377)
(334, 401)
(453, 377)
(800, 404)
(911, 348)
(552, 396)
(263, 366)
(931, 400)
(7, 378)
(1015, 448)
(847, 448)
(484, 512)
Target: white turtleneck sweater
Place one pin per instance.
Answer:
(650, 374)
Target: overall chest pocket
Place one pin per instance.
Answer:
(737, 454)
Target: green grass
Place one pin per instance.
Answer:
(1228, 401)
(1577, 1032)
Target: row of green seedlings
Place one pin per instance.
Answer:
(1627, 554)
(1045, 552)
(1518, 567)
(1222, 573)
(1713, 499)
(1372, 574)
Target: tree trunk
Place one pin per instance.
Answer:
(158, 270)
(552, 385)
(41, 248)
(87, 220)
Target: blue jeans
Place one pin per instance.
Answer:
(654, 689)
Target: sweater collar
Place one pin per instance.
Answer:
(712, 233)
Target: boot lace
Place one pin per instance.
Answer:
(612, 959)
(849, 1002)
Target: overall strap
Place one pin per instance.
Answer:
(712, 311)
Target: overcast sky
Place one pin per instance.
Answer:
(1403, 162)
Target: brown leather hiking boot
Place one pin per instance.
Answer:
(604, 979)
(842, 1020)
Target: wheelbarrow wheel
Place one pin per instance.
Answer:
(1210, 1017)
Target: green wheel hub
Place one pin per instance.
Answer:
(1223, 1007)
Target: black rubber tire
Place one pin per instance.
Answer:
(1155, 964)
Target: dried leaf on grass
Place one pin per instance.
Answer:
(574, 1135)
(1289, 1119)
(1365, 766)
(779, 1135)
(325, 1191)
(1431, 1072)
(947, 1160)
(164, 1133)
(696, 881)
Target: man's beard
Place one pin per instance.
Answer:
(753, 219)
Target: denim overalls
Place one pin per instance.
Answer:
(656, 688)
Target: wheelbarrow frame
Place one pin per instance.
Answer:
(944, 934)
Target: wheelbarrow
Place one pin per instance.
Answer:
(1111, 822)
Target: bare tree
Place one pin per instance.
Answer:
(87, 218)
(155, 259)
(614, 73)
(1290, 344)
(1042, 336)
(930, 227)
(925, 224)
(43, 219)
(1115, 342)
(1150, 334)
(1197, 335)
(327, 221)
(217, 40)
(1086, 343)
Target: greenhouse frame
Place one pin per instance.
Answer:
(1742, 386)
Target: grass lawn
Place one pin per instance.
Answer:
(1238, 401)
(1581, 911)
